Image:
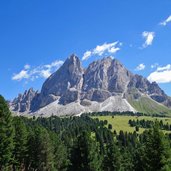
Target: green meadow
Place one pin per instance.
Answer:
(121, 122)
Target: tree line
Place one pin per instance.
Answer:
(77, 144)
(142, 123)
(125, 113)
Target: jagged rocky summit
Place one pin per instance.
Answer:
(105, 85)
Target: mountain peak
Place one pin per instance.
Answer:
(72, 62)
(73, 58)
(104, 81)
(22, 103)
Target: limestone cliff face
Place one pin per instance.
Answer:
(104, 78)
(23, 102)
(65, 83)
(151, 89)
(101, 80)
(69, 76)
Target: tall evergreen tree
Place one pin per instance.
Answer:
(20, 143)
(112, 159)
(85, 154)
(6, 136)
(40, 150)
(61, 160)
(157, 154)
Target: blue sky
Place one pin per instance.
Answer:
(36, 36)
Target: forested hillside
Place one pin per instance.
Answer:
(78, 144)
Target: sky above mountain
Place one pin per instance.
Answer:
(36, 36)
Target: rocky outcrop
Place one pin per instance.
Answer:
(68, 79)
(104, 78)
(69, 76)
(90, 89)
(151, 89)
(22, 103)
(106, 74)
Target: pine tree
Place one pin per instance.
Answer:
(61, 160)
(40, 150)
(20, 143)
(6, 136)
(85, 154)
(157, 154)
(112, 159)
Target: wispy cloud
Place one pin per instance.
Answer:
(32, 73)
(155, 65)
(140, 67)
(27, 66)
(148, 36)
(161, 75)
(106, 48)
(166, 21)
(167, 67)
(23, 74)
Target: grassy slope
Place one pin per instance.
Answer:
(121, 122)
(148, 106)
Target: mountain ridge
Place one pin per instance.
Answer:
(89, 89)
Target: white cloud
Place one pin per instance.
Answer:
(27, 67)
(148, 36)
(23, 74)
(45, 73)
(161, 75)
(155, 65)
(86, 55)
(140, 67)
(109, 48)
(166, 21)
(167, 67)
(42, 71)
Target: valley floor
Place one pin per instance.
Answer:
(122, 122)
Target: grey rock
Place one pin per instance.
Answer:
(22, 103)
(151, 89)
(69, 76)
(69, 96)
(104, 78)
(106, 83)
(106, 74)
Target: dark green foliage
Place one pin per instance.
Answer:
(157, 154)
(137, 128)
(113, 159)
(61, 161)
(109, 126)
(126, 113)
(40, 150)
(6, 136)
(85, 154)
(20, 144)
(80, 144)
(148, 124)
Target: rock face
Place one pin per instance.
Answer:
(151, 89)
(65, 83)
(69, 76)
(23, 102)
(105, 80)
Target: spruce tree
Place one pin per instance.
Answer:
(112, 159)
(40, 150)
(85, 154)
(61, 160)
(6, 136)
(157, 154)
(20, 143)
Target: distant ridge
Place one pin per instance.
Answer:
(106, 85)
